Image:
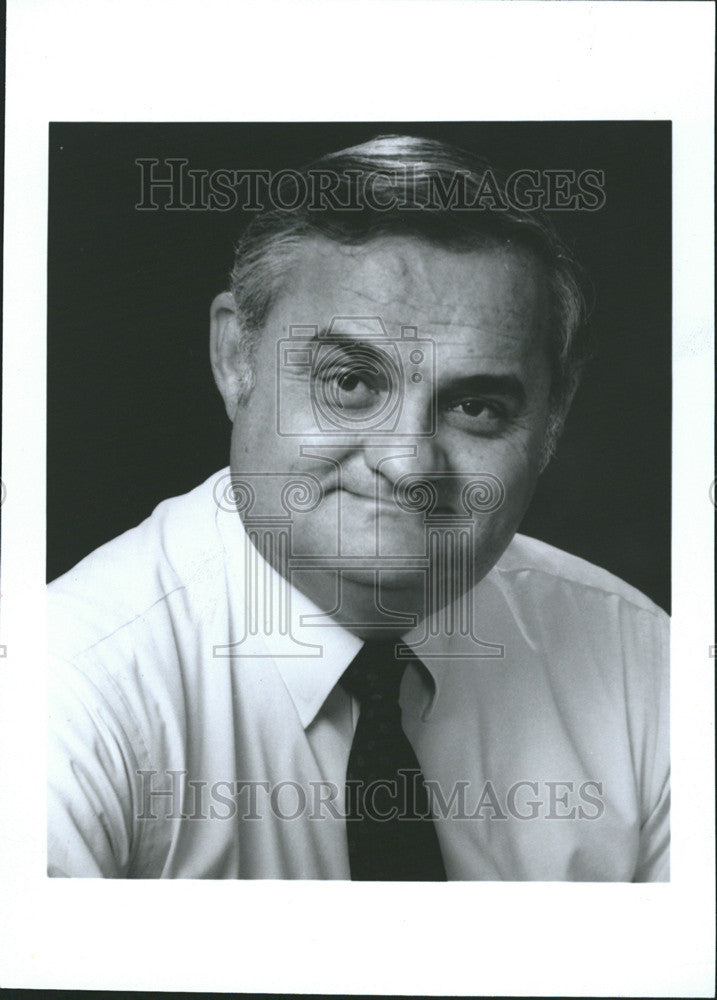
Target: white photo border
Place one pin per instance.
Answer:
(356, 60)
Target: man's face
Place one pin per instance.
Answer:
(348, 399)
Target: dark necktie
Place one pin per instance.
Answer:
(391, 835)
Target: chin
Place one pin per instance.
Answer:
(393, 580)
(400, 594)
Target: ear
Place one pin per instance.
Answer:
(228, 354)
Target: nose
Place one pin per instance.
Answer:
(413, 445)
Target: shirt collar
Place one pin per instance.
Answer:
(311, 679)
(309, 676)
(313, 652)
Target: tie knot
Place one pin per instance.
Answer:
(374, 675)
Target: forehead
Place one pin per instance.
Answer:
(491, 300)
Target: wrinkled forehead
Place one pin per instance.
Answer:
(496, 293)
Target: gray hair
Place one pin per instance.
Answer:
(417, 179)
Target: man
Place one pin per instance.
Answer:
(336, 658)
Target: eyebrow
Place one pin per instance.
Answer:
(485, 384)
(345, 340)
(361, 346)
(479, 384)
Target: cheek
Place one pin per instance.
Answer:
(513, 460)
(255, 445)
(521, 460)
(510, 469)
(494, 529)
(255, 426)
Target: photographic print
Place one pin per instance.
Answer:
(357, 498)
(364, 406)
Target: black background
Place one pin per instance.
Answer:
(133, 413)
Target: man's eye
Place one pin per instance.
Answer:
(349, 381)
(476, 414)
(348, 388)
(473, 407)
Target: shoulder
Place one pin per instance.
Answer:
(598, 639)
(158, 563)
(532, 565)
(573, 610)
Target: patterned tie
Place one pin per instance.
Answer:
(390, 830)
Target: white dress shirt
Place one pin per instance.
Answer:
(192, 738)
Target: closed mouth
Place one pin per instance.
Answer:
(371, 497)
(388, 503)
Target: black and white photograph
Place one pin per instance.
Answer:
(354, 650)
(357, 487)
